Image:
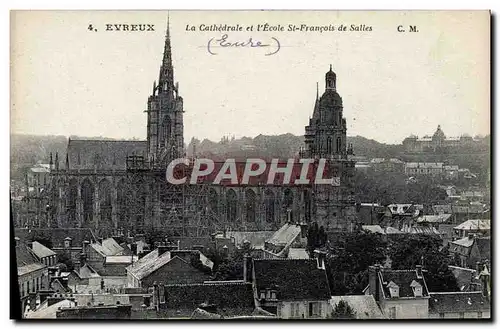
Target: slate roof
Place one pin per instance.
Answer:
(41, 251)
(403, 279)
(256, 239)
(365, 306)
(57, 235)
(484, 246)
(293, 279)
(26, 260)
(474, 225)
(102, 154)
(464, 277)
(443, 218)
(122, 259)
(49, 312)
(148, 264)
(109, 247)
(230, 298)
(455, 302)
(298, 253)
(286, 234)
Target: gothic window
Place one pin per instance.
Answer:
(329, 145)
(213, 202)
(105, 206)
(307, 205)
(168, 128)
(140, 209)
(122, 204)
(231, 205)
(88, 202)
(269, 202)
(339, 145)
(71, 196)
(250, 205)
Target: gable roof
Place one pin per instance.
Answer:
(286, 234)
(109, 247)
(442, 218)
(293, 279)
(229, 298)
(41, 251)
(474, 224)
(102, 154)
(26, 260)
(365, 306)
(464, 276)
(404, 279)
(148, 264)
(454, 302)
(57, 235)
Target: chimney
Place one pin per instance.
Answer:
(67, 242)
(247, 268)
(478, 267)
(133, 248)
(373, 281)
(418, 270)
(303, 230)
(85, 247)
(320, 259)
(83, 259)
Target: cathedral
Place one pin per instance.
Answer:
(120, 186)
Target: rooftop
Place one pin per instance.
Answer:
(41, 251)
(454, 302)
(293, 279)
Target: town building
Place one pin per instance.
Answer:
(400, 294)
(431, 169)
(459, 305)
(32, 275)
(470, 250)
(169, 266)
(473, 226)
(437, 142)
(290, 288)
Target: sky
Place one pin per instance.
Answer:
(69, 80)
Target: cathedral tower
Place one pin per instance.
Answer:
(165, 135)
(333, 206)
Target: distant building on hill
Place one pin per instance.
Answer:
(438, 141)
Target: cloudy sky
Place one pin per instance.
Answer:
(67, 80)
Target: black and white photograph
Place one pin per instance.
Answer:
(250, 165)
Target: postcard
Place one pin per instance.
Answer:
(251, 165)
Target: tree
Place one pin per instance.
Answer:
(229, 268)
(342, 310)
(349, 258)
(408, 250)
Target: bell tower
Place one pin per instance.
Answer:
(333, 206)
(165, 127)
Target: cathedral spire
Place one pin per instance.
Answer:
(166, 80)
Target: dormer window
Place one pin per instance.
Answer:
(417, 288)
(393, 289)
(262, 295)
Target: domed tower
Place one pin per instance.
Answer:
(439, 137)
(326, 132)
(165, 135)
(332, 206)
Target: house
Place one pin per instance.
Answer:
(387, 165)
(473, 226)
(108, 258)
(371, 213)
(223, 298)
(400, 294)
(459, 305)
(170, 267)
(32, 275)
(432, 169)
(290, 288)
(44, 254)
(364, 306)
(471, 250)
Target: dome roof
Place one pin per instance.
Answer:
(439, 134)
(330, 98)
